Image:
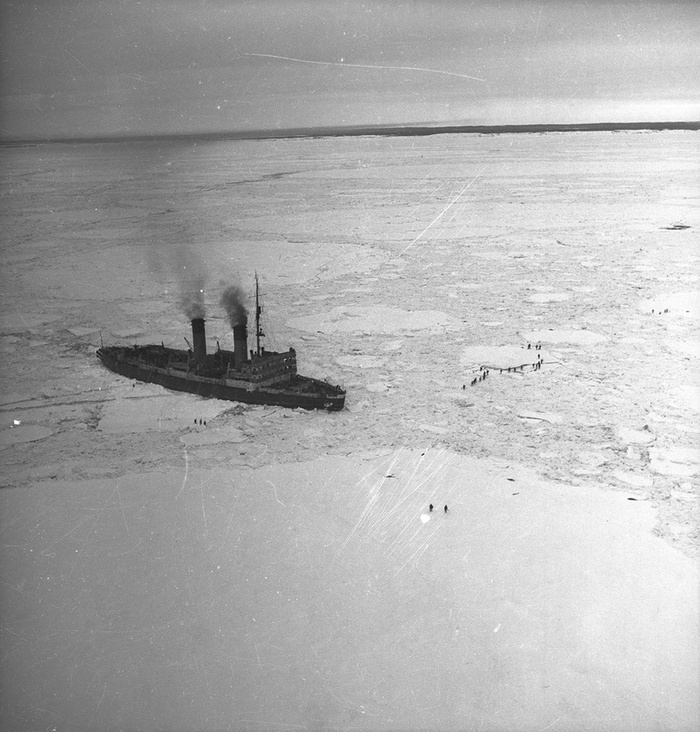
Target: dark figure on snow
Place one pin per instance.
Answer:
(431, 508)
(445, 508)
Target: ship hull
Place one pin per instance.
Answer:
(299, 394)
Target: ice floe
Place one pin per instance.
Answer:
(633, 479)
(208, 436)
(498, 357)
(24, 433)
(683, 303)
(18, 322)
(378, 319)
(361, 361)
(332, 564)
(635, 437)
(679, 461)
(550, 297)
(80, 332)
(575, 337)
(378, 387)
(165, 412)
(686, 395)
(550, 417)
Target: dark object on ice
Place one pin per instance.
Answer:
(431, 508)
(676, 227)
(445, 508)
(264, 377)
(200, 420)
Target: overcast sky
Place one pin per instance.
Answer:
(87, 67)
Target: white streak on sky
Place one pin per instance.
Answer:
(367, 66)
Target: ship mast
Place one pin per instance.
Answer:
(258, 310)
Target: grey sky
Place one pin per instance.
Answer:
(72, 67)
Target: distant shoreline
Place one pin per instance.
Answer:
(364, 131)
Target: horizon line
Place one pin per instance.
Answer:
(389, 130)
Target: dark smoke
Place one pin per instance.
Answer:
(192, 276)
(173, 228)
(182, 268)
(232, 299)
(192, 293)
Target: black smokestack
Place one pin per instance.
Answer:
(240, 345)
(199, 341)
(232, 301)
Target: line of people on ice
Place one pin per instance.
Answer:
(484, 372)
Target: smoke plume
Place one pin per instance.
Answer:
(192, 276)
(182, 269)
(232, 300)
(192, 293)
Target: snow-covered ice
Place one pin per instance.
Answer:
(317, 593)
(274, 569)
(372, 319)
